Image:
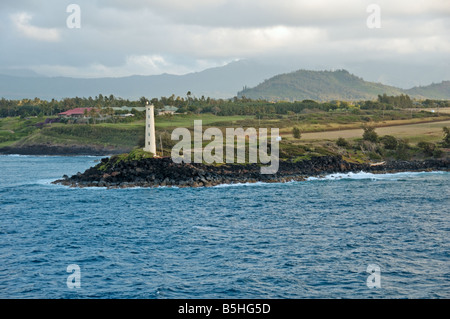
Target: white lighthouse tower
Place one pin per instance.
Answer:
(150, 140)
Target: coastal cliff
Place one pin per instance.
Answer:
(155, 172)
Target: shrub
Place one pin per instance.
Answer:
(446, 141)
(367, 147)
(370, 134)
(137, 154)
(427, 147)
(389, 142)
(342, 142)
(296, 132)
(374, 156)
(437, 152)
(402, 150)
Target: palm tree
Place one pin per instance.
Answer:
(188, 94)
(93, 114)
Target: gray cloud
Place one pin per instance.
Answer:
(120, 38)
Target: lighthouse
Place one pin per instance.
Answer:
(150, 140)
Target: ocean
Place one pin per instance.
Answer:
(312, 239)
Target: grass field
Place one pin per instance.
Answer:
(171, 122)
(430, 132)
(445, 110)
(13, 129)
(315, 127)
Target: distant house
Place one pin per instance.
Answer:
(167, 109)
(77, 112)
(129, 109)
(127, 115)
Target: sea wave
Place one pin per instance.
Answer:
(371, 176)
(242, 184)
(342, 176)
(256, 238)
(47, 182)
(330, 177)
(16, 155)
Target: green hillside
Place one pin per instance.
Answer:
(18, 132)
(333, 85)
(439, 91)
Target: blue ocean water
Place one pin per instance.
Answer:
(311, 239)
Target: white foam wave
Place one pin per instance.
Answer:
(240, 184)
(207, 228)
(371, 176)
(15, 155)
(330, 177)
(46, 182)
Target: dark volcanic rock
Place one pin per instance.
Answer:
(153, 172)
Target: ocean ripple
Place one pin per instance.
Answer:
(311, 239)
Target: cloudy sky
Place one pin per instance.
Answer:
(119, 38)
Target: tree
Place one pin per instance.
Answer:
(446, 141)
(93, 114)
(370, 134)
(171, 100)
(143, 100)
(296, 132)
(188, 98)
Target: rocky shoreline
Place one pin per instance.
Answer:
(156, 172)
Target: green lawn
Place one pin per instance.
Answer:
(187, 121)
(326, 125)
(13, 129)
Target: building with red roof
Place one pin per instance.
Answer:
(77, 112)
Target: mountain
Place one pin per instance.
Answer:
(218, 82)
(19, 72)
(440, 91)
(319, 86)
(334, 85)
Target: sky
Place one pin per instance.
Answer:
(119, 38)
